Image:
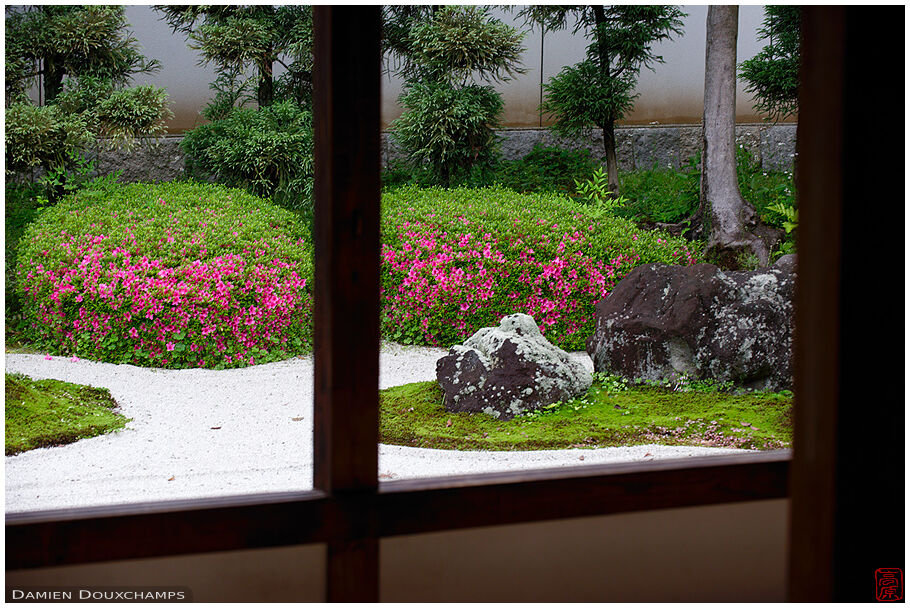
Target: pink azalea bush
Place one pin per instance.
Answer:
(458, 260)
(168, 275)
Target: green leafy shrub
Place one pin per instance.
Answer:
(458, 260)
(448, 128)
(660, 195)
(268, 151)
(543, 169)
(169, 275)
(43, 136)
(85, 57)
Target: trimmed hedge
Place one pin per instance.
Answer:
(198, 275)
(458, 260)
(169, 275)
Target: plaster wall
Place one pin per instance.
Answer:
(671, 94)
(720, 553)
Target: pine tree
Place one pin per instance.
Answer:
(449, 118)
(599, 90)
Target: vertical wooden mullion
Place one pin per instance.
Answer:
(847, 475)
(820, 149)
(346, 105)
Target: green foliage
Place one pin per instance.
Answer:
(448, 121)
(43, 136)
(238, 37)
(583, 95)
(598, 90)
(764, 189)
(544, 169)
(45, 413)
(596, 191)
(772, 76)
(460, 42)
(788, 216)
(168, 275)
(446, 127)
(85, 58)
(664, 195)
(268, 151)
(23, 201)
(667, 195)
(128, 113)
(611, 414)
(74, 40)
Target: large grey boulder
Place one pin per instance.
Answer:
(507, 370)
(663, 321)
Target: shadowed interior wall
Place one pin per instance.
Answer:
(734, 552)
(671, 94)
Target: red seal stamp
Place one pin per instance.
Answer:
(889, 585)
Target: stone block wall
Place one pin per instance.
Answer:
(638, 147)
(644, 147)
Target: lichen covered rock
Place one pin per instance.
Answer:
(507, 370)
(663, 321)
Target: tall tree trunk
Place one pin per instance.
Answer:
(265, 91)
(53, 78)
(728, 219)
(600, 20)
(610, 154)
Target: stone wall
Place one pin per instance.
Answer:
(637, 148)
(645, 147)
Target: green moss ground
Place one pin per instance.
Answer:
(43, 413)
(413, 415)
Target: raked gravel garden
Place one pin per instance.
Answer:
(200, 433)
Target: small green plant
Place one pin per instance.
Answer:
(596, 191)
(787, 215)
(686, 384)
(612, 383)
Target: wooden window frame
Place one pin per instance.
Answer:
(348, 509)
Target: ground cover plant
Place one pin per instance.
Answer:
(613, 413)
(457, 260)
(44, 413)
(167, 275)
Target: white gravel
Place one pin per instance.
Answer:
(200, 433)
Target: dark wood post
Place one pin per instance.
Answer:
(346, 105)
(847, 476)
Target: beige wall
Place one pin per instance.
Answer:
(672, 93)
(731, 553)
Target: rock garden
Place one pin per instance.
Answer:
(572, 302)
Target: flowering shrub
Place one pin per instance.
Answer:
(458, 260)
(167, 275)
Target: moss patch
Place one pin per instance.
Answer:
(44, 413)
(413, 415)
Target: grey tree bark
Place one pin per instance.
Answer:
(728, 221)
